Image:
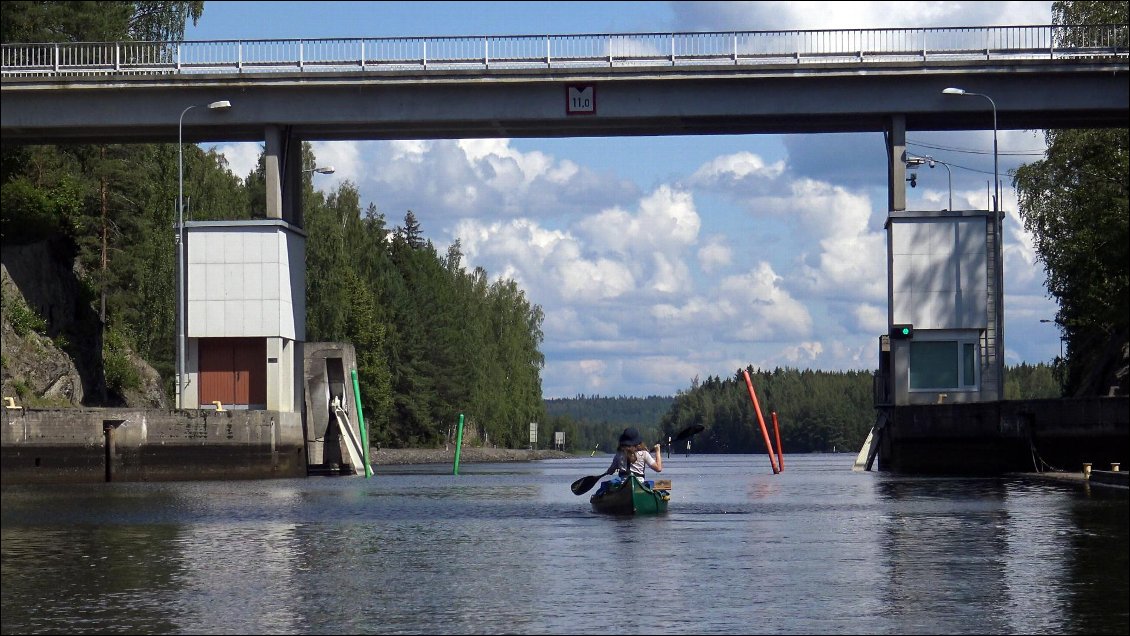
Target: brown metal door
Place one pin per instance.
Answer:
(250, 362)
(233, 371)
(216, 371)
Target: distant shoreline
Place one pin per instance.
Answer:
(469, 454)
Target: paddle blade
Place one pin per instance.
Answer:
(689, 431)
(584, 484)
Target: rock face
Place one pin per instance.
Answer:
(151, 394)
(39, 307)
(35, 368)
(51, 337)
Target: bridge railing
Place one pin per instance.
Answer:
(567, 51)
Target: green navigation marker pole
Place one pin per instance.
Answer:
(458, 444)
(361, 424)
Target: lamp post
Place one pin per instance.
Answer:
(949, 175)
(996, 177)
(1046, 321)
(913, 162)
(1000, 240)
(321, 170)
(182, 319)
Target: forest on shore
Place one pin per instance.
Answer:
(817, 411)
(434, 339)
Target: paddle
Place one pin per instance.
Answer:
(585, 484)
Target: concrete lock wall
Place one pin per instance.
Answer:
(1008, 436)
(327, 373)
(96, 444)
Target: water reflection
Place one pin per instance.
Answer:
(999, 556)
(944, 547)
(1098, 564)
(119, 579)
(509, 549)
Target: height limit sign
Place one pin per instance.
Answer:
(580, 100)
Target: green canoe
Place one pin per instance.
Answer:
(631, 496)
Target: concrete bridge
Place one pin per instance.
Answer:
(284, 92)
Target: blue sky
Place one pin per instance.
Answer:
(729, 250)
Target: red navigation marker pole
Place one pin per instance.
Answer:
(777, 432)
(761, 421)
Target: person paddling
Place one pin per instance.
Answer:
(633, 456)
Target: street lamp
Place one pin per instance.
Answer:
(996, 177)
(321, 170)
(1046, 321)
(1000, 240)
(949, 176)
(182, 320)
(913, 162)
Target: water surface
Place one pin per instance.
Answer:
(507, 548)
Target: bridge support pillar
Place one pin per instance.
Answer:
(896, 163)
(282, 156)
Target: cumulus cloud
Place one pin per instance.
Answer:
(653, 270)
(850, 256)
(747, 307)
(742, 171)
(552, 261)
(609, 254)
(870, 318)
(665, 219)
(444, 180)
(243, 158)
(770, 16)
(344, 157)
(714, 254)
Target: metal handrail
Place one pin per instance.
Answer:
(797, 47)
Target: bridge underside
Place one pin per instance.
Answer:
(385, 105)
(284, 109)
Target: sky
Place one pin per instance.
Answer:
(728, 250)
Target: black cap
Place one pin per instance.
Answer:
(630, 437)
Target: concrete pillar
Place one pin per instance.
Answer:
(281, 374)
(272, 171)
(298, 376)
(282, 157)
(896, 163)
(285, 390)
(292, 180)
(191, 395)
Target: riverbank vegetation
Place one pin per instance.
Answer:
(434, 339)
(818, 411)
(1075, 204)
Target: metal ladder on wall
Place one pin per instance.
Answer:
(992, 341)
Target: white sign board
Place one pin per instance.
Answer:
(533, 432)
(559, 438)
(580, 100)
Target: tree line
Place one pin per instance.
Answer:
(434, 339)
(1075, 204)
(818, 411)
(594, 423)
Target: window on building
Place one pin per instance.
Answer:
(943, 365)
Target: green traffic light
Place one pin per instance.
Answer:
(905, 331)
